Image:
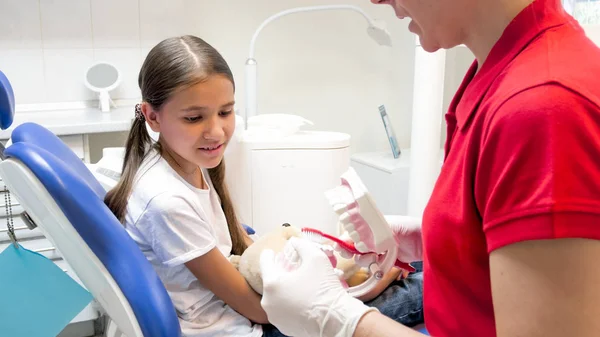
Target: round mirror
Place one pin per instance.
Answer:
(102, 77)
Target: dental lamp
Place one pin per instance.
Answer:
(375, 30)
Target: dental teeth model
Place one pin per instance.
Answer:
(374, 241)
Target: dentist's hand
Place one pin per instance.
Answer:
(408, 236)
(303, 296)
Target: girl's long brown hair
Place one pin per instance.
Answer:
(173, 64)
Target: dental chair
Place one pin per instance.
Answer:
(62, 197)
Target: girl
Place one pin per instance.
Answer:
(172, 197)
(173, 201)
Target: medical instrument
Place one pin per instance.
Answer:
(318, 236)
(346, 249)
(326, 248)
(102, 78)
(373, 238)
(389, 130)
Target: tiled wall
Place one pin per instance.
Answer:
(47, 45)
(322, 66)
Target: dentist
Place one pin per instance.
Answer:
(510, 236)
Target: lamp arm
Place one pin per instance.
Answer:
(298, 10)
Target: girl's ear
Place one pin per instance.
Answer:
(151, 116)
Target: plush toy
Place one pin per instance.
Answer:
(249, 266)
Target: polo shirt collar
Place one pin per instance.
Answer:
(538, 17)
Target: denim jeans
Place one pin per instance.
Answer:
(402, 301)
(271, 331)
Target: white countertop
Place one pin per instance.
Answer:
(75, 121)
(385, 161)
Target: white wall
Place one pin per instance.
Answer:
(322, 66)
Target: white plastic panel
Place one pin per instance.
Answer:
(388, 189)
(289, 186)
(593, 32)
(76, 144)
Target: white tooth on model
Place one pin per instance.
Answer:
(339, 209)
(345, 220)
(361, 246)
(350, 229)
(346, 254)
(355, 237)
(348, 225)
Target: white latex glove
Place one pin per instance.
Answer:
(408, 235)
(303, 296)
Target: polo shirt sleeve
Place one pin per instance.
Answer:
(175, 230)
(538, 174)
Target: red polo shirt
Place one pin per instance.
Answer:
(522, 163)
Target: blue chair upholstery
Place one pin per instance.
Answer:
(102, 232)
(36, 134)
(423, 331)
(249, 230)
(7, 102)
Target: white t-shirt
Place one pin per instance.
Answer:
(174, 222)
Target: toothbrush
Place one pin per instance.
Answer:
(389, 131)
(317, 236)
(373, 243)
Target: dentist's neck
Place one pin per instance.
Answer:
(491, 17)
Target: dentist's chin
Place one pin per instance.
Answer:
(413, 27)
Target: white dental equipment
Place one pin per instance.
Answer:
(368, 229)
(103, 77)
(426, 128)
(376, 30)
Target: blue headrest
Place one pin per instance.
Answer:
(36, 134)
(249, 230)
(7, 102)
(106, 237)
